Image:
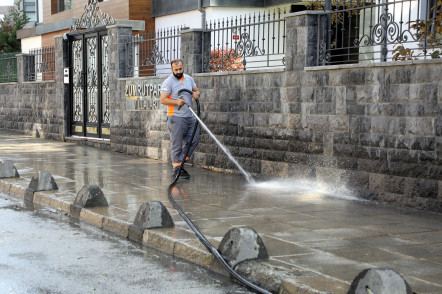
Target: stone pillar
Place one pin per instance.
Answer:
(120, 56)
(302, 39)
(23, 68)
(192, 41)
(62, 89)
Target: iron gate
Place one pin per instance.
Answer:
(90, 97)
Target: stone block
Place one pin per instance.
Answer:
(92, 217)
(159, 241)
(60, 204)
(42, 198)
(116, 226)
(135, 233)
(153, 214)
(240, 244)
(8, 170)
(381, 280)
(386, 183)
(90, 196)
(420, 126)
(192, 254)
(43, 182)
(273, 168)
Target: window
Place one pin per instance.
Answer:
(64, 5)
(30, 9)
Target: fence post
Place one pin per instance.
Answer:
(192, 50)
(384, 26)
(21, 68)
(302, 39)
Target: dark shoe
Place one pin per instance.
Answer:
(183, 175)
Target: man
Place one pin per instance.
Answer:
(180, 119)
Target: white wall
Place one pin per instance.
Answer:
(30, 43)
(191, 19)
(7, 2)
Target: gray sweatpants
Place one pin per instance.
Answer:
(180, 130)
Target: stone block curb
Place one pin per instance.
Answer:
(92, 217)
(116, 226)
(153, 238)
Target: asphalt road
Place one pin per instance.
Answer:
(44, 251)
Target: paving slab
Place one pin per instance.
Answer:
(318, 241)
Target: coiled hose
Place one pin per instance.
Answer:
(200, 236)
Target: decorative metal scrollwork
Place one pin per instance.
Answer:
(92, 17)
(92, 79)
(154, 57)
(78, 80)
(324, 54)
(246, 47)
(385, 31)
(105, 79)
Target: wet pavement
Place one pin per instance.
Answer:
(44, 252)
(319, 237)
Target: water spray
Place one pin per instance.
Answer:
(200, 236)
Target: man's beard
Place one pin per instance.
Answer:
(178, 75)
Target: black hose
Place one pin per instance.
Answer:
(200, 236)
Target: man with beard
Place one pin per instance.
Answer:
(180, 120)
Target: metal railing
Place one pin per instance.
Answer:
(150, 53)
(353, 31)
(40, 64)
(246, 42)
(8, 67)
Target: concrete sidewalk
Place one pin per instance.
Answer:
(315, 242)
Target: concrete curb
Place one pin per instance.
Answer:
(158, 239)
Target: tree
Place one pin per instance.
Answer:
(13, 21)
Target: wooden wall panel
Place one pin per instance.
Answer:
(48, 39)
(142, 10)
(118, 9)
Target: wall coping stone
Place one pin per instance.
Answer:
(223, 73)
(304, 12)
(372, 64)
(40, 82)
(144, 78)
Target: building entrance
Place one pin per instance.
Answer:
(89, 93)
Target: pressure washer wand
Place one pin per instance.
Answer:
(200, 236)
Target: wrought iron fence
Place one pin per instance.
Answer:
(150, 53)
(40, 64)
(246, 42)
(8, 67)
(353, 31)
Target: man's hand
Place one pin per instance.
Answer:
(180, 102)
(196, 93)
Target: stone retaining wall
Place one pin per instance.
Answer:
(32, 108)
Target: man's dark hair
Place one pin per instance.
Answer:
(176, 61)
